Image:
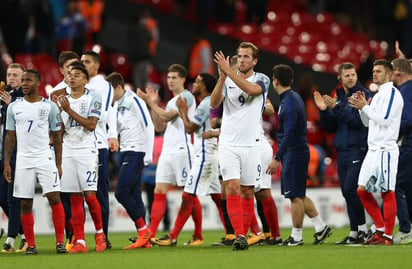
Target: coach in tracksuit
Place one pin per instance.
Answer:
(351, 145)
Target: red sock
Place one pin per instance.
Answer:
(271, 215)
(158, 210)
(234, 210)
(183, 214)
(389, 211)
(254, 226)
(76, 202)
(58, 221)
(95, 211)
(217, 199)
(197, 218)
(372, 207)
(140, 223)
(248, 214)
(27, 222)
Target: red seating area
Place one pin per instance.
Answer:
(46, 65)
(318, 41)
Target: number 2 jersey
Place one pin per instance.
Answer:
(77, 140)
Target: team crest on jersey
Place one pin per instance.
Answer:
(83, 107)
(42, 113)
(97, 105)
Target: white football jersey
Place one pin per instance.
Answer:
(135, 125)
(32, 123)
(175, 135)
(202, 119)
(77, 139)
(103, 88)
(241, 119)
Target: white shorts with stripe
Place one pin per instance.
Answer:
(266, 155)
(203, 178)
(240, 163)
(174, 167)
(80, 173)
(383, 165)
(25, 180)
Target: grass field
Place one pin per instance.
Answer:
(327, 255)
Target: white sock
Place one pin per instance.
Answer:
(297, 233)
(10, 241)
(23, 236)
(353, 234)
(318, 222)
(99, 231)
(363, 228)
(81, 241)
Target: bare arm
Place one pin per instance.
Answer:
(57, 145)
(89, 123)
(8, 150)
(183, 108)
(151, 97)
(246, 86)
(269, 109)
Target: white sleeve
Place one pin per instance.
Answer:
(112, 121)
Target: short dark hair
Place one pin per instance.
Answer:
(209, 81)
(385, 63)
(345, 66)
(115, 79)
(283, 73)
(35, 73)
(77, 65)
(245, 45)
(64, 56)
(95, 55)
(180, 69)
(402, 65)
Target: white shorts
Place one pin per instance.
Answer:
(266, 155)
(203, 178)
(174, 167)
(80, 173)
(240, 163)
(383, 165)
(25, 180)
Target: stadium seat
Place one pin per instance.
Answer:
(120, 63)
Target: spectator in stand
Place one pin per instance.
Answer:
(92, 11)
(256, 11)
(140, 37)
(200, 57)
(351, 145)
(71, 29)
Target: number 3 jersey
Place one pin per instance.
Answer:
(32, 123)
(241, 120)
(77, 140)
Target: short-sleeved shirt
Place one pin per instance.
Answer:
(201, 119)
(32, 123)
(242, 112)
(77, 139)
(175, 135)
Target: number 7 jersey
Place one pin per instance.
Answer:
(32, 123)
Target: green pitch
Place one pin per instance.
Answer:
(327, 255)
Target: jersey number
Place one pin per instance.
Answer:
(91, 177)
(73, 123)
(241, 100)
(30, 124)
